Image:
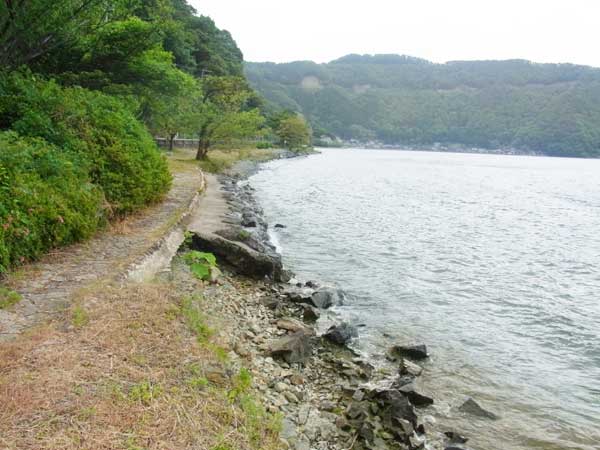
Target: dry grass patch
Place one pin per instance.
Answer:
(122, 370)
(218, 161)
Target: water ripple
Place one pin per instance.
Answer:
(492, 260)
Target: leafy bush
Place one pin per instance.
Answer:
(264, 145)
(200, 263)
(72, 159)
(102, 130)
(46, 199)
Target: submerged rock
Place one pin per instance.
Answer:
(455, 437)
(294, 348)
(326, 297)
(299, 294)
(410, 368)
(286, 276)
(470, 406)
(340, 334)
(416, 351)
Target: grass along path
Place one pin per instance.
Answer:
(62, 276)
(135, 368)
(111, 364)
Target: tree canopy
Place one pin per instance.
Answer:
(83, 86)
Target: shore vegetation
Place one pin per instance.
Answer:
(84, 90)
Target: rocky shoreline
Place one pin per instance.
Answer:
(329, 396)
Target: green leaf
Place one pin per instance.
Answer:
(201, 271)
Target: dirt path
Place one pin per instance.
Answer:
(63, 275)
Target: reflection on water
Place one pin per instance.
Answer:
(493, 261)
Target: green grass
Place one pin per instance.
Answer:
(242, 383)
(195, 320)
(79, 316)
(145, 392)
(218, 161)
(8, 298)
(243, 235)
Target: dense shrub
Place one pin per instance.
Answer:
(69, 160)
(102, 130)
(46, 199)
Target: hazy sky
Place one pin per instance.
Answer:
(438, 30)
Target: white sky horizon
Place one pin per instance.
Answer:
(543, 31)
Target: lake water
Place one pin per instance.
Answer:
(493, 261)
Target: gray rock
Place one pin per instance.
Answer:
(286, 276)
(406, 426)
(403, 381)
(288, 430)
(303, 413)
(280, 387)
(416, 351)
(410, 368)
(310, 314)
(299, 294)
(244, 259)
(357, 410)
(290, 397)
(294, 348)
(470, 406)
(340, 334)
(289, 324)
(455, 438)
(302, 443)
(395, 405)
(327, 405)
(326, 297)
(415, 397)
(358, 395)
(270, 302)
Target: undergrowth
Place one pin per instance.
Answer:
(218, 161)
(201, 263)
(71, 159)
(8, 298)
(195, 319)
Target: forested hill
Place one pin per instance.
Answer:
(552, 109)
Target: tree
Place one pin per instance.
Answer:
(223, 113)
(294, 132)
(173, 115)
(33, 29)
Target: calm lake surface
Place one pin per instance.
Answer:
(493, 261)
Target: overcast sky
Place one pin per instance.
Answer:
(438, 30)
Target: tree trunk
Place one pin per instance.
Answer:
(203, 146)
(171, 141)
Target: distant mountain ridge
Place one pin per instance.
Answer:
(552, 109)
